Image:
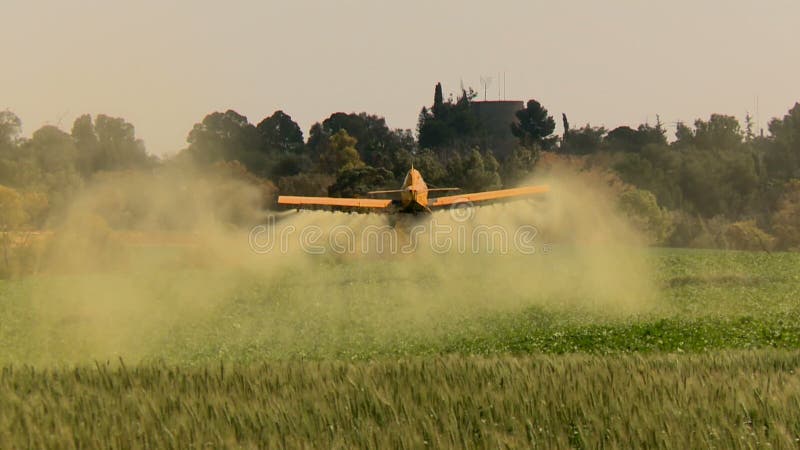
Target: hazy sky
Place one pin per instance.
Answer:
(164, 65)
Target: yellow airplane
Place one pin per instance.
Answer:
(413, 197)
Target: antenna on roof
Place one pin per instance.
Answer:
(758, 119)
(61, 118)
(486, 82)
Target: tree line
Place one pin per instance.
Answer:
(716, 184)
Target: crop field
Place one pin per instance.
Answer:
(729, 400)
(704, 301)
(372, 353)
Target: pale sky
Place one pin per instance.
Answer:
(164, 65)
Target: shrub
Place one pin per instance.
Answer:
(642, 210)
(746, 235)
(786, 220)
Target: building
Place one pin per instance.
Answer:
(496, 117)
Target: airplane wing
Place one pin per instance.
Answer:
(443, 189)
(486, 196)
(310, 202)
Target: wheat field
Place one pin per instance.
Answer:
(726, 400)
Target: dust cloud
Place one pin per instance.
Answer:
(183, 265)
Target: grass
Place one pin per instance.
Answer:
(728, 400)
(708, 300)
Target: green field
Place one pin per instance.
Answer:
(728, 400)
(704, 301)
(375, 353)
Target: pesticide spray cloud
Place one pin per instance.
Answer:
(149, 266)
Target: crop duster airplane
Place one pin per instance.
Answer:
(412, 198)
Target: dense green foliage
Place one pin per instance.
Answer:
(534, 125)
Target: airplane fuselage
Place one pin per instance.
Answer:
(414, 193)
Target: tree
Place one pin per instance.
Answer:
(357, 181)
(433, 132)
(85, 137)
(519, 165)
(289, 164)
(719, 132)
(281, 150)
(717, 182)
(36, 206)
(228, 136)
(340, 154)
(310, 184)
(583, 141)
(438, 99)
(449, 124)
(627, 139)
(10, 128)
(53, 149)
(473, 172)
(642, 210)
(398, 155)
(119, 149)
(20, 213)
(232, 183)
(12, 211)
(783, 151)
(377, 145)
(280, 133)
(49, 166)
(534, 126)
(786, 219)
(655, 169)
(624, 139)
(428, 164)
(749, 135)
(12, 215)
(683, 135)
(649, 135)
